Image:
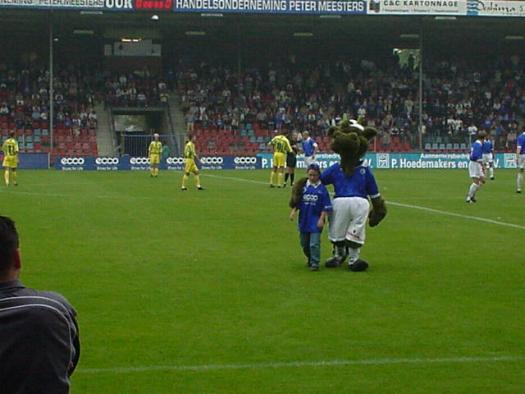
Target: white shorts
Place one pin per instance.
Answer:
(309, 160)
(521, 162)
(487, 158)
(475, 169)
(348, 219)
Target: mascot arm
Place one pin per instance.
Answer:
(378, 211)
(297, 193)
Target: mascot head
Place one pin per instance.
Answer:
(350, 140)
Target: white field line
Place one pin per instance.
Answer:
(458, 215)
(398, 204)
(301, 364)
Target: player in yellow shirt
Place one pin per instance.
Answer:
(154, 151)
(10, 148)
(281, 146)
(190, 167)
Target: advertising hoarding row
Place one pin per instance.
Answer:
(321, 7)
(92, 5)
(264, 161)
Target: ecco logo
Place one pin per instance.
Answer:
(245, 160)
(119, 4)
(72, 161)
(107, 160)
(310, 197)
(212, 160)
(139, 160)
(175, 160)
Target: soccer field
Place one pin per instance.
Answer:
(207, 291)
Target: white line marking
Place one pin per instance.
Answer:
(398, 204)
(458, 215)
(300, 364)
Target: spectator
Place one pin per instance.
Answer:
(40, 346)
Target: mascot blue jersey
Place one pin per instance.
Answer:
(361, 184)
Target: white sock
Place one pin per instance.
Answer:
(491, 172)
(472, 190)
(353, 254)
(520, 180)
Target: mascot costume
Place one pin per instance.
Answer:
(355, 187)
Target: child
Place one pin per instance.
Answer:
(313, 207)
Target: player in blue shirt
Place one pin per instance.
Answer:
(487, 149)
(475, 168)
(520, 160)
(313, 208)
(309, 149)
(351, 207)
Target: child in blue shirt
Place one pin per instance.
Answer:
(313, 208)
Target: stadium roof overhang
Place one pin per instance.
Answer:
(171, 26)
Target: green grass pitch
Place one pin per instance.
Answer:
(207, 292)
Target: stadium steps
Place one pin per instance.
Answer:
(105, 140)
(177, 117)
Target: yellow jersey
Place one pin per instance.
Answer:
(281, 144)
(189, 150)
(10, 147)
(155, 148)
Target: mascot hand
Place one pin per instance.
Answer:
(378, 211)
(297, 193)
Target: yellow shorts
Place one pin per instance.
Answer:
(154, 159)
(10, 161)
(279, 159)
(190, 166)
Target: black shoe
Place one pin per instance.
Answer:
(358, 265)
(333, 262)
(272, 186)
(518, 191)
(492, 178)
(15, 184)
(200, 188)
(314, 268)
(183, 189)
(284, 185)
(473, 199)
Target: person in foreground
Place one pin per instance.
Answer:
(39, 346)
(313, 206)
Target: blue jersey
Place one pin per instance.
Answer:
(361, 184)
(521, 143)
(309, 147)
(476, 151)
(314, 201)
(487, 146)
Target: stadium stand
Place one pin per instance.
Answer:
(24, 99)
(233, 113)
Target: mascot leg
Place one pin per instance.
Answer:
(355, 263)
(339, 255)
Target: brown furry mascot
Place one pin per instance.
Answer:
(355, 188)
